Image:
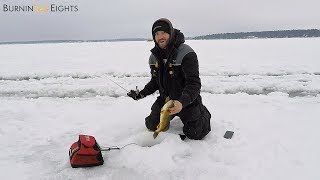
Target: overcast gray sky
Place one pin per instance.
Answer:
(105, 19)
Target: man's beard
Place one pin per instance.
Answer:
(164, 42)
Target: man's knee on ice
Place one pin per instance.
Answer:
(151, 124)
(193, 130)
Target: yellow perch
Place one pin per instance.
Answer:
(164, 118)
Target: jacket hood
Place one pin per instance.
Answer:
(176, 39)
(168, 23)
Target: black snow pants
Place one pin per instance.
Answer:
(195, 117)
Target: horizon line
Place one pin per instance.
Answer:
(131, 38)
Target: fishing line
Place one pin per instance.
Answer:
(116, 147)
(117, 84)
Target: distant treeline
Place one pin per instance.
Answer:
(264, 34)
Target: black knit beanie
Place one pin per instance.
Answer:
(160, 26)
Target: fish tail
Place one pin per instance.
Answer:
(155, 134)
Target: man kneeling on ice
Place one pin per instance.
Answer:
(175, 73)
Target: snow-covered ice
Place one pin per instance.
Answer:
(265, 90)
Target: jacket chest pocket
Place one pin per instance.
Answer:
(175, 78)
(174, 71)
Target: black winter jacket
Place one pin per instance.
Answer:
(178, 78)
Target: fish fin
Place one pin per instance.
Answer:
(155, 134)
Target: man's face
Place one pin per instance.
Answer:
(162, 39)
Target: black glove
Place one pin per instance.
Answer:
(135, 94)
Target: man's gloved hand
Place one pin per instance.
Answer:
(135, 94)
